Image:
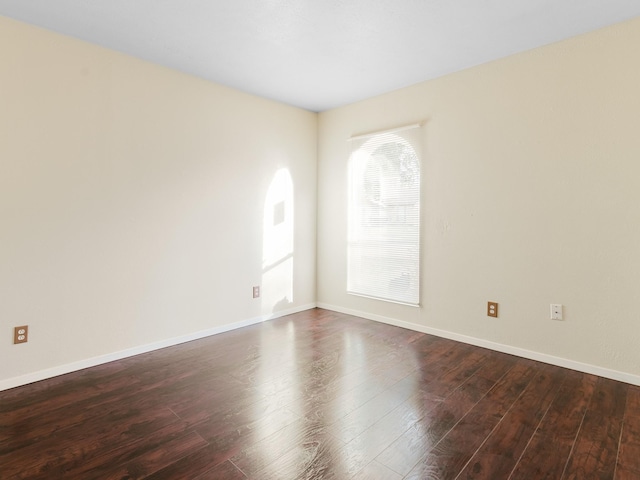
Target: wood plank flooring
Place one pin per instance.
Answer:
(322, 395)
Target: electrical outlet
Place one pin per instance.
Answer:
(21, 334)
(256, 292)
(492, 309)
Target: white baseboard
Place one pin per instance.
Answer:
(130, 352)
(520, 352)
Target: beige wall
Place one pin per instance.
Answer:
(531, 196)
(137, 204)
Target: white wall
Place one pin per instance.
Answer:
(531, 196)
(135, 203)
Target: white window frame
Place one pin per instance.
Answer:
(384, 220)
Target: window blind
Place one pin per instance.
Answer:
(384, 216)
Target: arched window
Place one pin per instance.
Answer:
(384, 217)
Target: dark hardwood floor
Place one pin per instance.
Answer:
(322, 395)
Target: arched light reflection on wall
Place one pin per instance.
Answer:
(277, 256)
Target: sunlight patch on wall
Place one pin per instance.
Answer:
(277, 257)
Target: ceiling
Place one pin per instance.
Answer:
(320, 54)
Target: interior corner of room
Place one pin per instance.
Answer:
(140, 206)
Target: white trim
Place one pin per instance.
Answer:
(381, 299)
(382, 132)
(130, 352)
(479, 342)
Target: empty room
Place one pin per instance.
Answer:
(320, 240)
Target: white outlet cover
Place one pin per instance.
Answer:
(556, 311)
